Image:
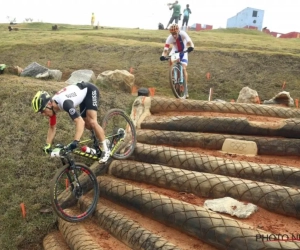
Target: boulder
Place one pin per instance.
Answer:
(84, 75)
(38, 71)
(282, 98)
(248, 95)
(50, 74)
(117, 79)
(33, 70)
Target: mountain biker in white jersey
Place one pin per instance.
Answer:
(86, 96)
(180, 42)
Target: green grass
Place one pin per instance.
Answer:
(237, 57)
(234, 57)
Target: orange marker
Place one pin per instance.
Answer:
(207, 75)
(22, 205)
(152, 91)
(297, 103)
(133, 89)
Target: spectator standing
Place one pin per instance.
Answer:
(93, 20)
(186, 14)
(176, 13)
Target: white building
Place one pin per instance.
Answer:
(249, 17)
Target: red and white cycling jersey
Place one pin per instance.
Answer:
(84, 94)
(178, 44)
(71, 92)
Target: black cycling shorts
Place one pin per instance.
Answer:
(91, 100)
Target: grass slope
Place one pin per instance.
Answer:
(234, 57)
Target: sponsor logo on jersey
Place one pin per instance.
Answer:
(71, 95)
(94, 98)
(72, 111)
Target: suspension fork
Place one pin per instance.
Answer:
(178, 65)
(181, 72)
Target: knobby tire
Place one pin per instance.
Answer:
(179, 89)
(113, 120)
(63, 200)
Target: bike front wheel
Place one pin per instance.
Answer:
(177, 81)
(120, 132)
(69, 185)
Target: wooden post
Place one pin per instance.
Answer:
(283, 85)
(210, 94)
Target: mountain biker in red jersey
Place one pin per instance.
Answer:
(86, 96)
(180, 42)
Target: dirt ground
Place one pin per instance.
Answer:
(262, 219)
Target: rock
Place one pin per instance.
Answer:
(231, 206)
(84, 75)
(33, 70)
(40, 72)
(50, 74)
(248, 95)
(118, 79)
(282, 98)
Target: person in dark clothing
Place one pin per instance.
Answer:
(186, 14)
(160, 26)
(176, 13)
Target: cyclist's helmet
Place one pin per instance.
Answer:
(40, 100)
(174, 28)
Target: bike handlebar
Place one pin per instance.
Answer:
(182, 52)
(60, 151)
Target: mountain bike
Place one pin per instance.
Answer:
(176, 76)
(74, 180)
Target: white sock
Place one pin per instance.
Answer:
(104, 146)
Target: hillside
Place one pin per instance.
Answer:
(235, 58)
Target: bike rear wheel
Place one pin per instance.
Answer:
(120, 131)
(68, 186)
(179, 88)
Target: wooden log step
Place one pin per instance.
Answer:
(159, 104)
(176, 158)
(278, 199)
(127, 230)
(289, 128)
(218, 230)
(265, 145)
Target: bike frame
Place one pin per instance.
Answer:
(96, 146)
(177, 82)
